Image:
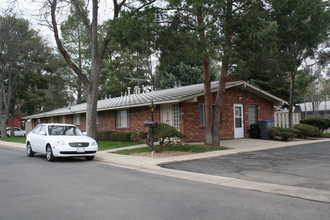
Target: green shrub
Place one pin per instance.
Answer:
(308, 130)
(166, 135)
(319, 122)
(140, 136)
(103, 135)
(121, 136)
(283, 133)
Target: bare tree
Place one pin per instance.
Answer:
(98, 45)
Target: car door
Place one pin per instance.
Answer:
(17, 132)
(34, 138)
(42, 139)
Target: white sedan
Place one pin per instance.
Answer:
(17, 132)
(60, 140)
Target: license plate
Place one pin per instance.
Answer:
(80, 150)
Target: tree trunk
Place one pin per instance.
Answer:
(93, 88)
(292, 84)
(207, 82)
(12, 118)
(208, 101)
(223, 75)
(4, 104)
(219, 105)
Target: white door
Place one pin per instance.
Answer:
(166, 114)
(238, 121)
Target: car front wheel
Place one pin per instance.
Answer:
(29, 150)
(49, 154)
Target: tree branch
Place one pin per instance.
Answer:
(82, 15)
(146, 4)
(60, 47)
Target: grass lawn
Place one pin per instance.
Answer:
(106, 145)
(103, 145)
(184, 148)
(15, 139)
(326, 135)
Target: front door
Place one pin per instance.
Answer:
(238, 121)
(166, 114)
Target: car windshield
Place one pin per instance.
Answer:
(64, 130)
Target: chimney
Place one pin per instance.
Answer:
(129, 90)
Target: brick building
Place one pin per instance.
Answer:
(181, 107)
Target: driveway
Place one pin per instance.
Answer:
(304, 165)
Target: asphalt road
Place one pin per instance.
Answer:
(305, 166)
(32, 188)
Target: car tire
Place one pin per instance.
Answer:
(89, 157)
(29, 151)
(49, 154)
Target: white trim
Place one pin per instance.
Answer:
(238, 131)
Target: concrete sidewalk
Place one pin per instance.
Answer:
(236, 146)
(150, 165)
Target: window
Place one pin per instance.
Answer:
(201, 114)
(63, 119)
(253, 114)
(43, 129)
(122, 118)
(76, 119)
(50, 120)
(36, 130)
(176, 116)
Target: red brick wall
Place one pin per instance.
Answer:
(107, 119)
(195, 132)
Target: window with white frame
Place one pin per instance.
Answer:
(76, 119)
(122, 119)
(176, 116)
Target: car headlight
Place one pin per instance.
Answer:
(93, 143)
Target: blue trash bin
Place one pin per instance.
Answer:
(265, 126)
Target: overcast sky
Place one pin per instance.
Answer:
(31, 10)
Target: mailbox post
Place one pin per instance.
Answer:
(152, 124)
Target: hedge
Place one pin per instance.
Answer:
(320, 122)
(103, 135)
(308, 130)
(283, 133)
(121, 136)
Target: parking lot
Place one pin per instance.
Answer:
(304, 166)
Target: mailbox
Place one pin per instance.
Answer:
(150, 124)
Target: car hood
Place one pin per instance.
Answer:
(73, 138)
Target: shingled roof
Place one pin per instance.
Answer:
(173, 95)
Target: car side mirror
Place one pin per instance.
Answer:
(42, 133)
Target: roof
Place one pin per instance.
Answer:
(173, 95)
